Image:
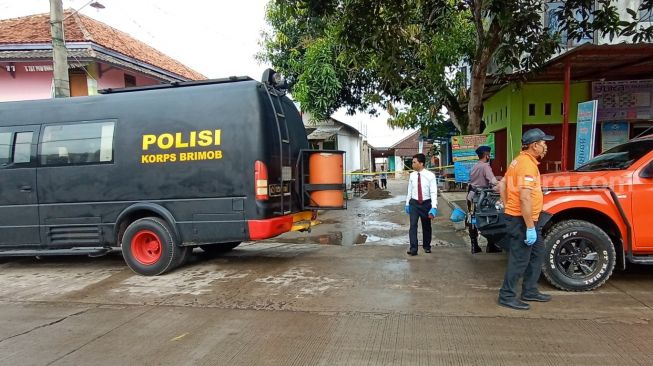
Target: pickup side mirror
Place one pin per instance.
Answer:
(647, 172)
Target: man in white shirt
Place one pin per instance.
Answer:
(421, 203)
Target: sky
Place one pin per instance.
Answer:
(217, 38)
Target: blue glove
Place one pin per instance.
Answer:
(433, 212)
(531, 236)
(407, 208)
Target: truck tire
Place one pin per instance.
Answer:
(219, 248)
(184, 256)
(579, 256)
(149, 247)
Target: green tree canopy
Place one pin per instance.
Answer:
(406, 55)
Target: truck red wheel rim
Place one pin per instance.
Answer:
(146, 247)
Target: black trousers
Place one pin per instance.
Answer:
(473, 231)
(419, 212)
(384, 183)
(523, 260)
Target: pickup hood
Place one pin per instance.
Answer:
(572, 179)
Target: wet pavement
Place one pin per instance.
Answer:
(344, 294)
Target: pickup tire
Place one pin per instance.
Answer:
(149, 247)
(579, 256)
(219, 248)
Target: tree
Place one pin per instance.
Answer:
(404, 63)
(406, 55)
(307, 51)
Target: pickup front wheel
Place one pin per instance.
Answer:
(579, 256)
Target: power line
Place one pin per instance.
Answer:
(126, 12)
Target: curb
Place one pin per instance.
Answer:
(453, 206)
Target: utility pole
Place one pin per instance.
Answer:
(59, 52)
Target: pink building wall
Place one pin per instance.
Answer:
(142, 80)
(26, 85)
(115, 78)
(112, 78)
(38, 84)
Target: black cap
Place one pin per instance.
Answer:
(483, 149)
(534, 135)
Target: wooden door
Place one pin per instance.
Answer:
(78, 85)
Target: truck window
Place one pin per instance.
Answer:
(5, 147)
(78, 143)
(619, 157)
(23, 147)
(15, 147)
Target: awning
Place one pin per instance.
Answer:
(324, 132)
(594, 62)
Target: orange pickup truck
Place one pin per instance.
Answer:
(602, 216)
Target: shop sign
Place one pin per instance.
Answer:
(623, 100)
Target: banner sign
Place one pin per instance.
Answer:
(585, 132)
(613, 134)
(462, 169)
(463, 147)
(463, 151)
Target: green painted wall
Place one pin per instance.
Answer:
(541, 94)
(510, 108)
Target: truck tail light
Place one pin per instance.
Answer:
(261, 181)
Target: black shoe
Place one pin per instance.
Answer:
(427, 250)
(410, 252)
(514, 304)
(491, 248)
(476, 249)
(537, 297)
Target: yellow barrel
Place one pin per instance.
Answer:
(326, 168)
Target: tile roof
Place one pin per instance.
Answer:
(80, 28)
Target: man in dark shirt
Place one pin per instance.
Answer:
(481, 176)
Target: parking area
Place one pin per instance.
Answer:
(344, 294)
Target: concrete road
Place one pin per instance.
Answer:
(345, 294)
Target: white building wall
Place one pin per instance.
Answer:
(352, 147)
(399, 164)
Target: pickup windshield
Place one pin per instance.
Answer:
(619, 157)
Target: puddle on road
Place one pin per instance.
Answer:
(347, 238)
(366, 238)
(383, 225)
(328, 221)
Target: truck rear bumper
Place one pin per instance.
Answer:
(268, 228)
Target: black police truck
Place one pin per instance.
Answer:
(154, 171)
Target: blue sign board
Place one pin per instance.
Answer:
(461, 170)
(585, 132)
(613, 134)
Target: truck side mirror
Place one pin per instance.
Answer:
(647, 172)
